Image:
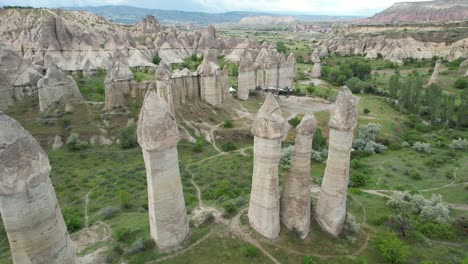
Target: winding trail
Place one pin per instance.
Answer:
(86, 206)
(236, 228)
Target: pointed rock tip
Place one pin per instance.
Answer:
(23, 163)
(157, 128)
(345, 112)
(163, 72)
(308, 125)
(269, 122)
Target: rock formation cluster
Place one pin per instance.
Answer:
(274, 70)
(149, 25)
(28, 205)
(118, 83)
(211, 84)
(246, 79)
(57, 87)
(295, 197)
(393, 49)
(264, 208)
(158, 136)
(331, 205)
(18, 78)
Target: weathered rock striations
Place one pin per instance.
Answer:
(317, 70)
(209, 72)
(158, 136)
(435, 74)
(295, 197)
(331, 206)
(246, 78)
(394, 49)
(264, 207)
(164, 84)
(18, 78)
(274, 70)
(28, 205)
(57, 87)
(118, 83)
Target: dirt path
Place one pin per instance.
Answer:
(182, 251)
(86, 206)
(237, 229)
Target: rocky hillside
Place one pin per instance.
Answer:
(430, 11)
(267, 21)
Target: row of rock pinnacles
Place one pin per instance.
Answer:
(32, 216)
(267, 208)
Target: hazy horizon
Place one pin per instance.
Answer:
(303, 7)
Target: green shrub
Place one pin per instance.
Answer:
(366, 111)
(137, 247)
(436, 230)
(109, 212)
(391, 249)
(229, 208)
(249, 251)
(461, 83)
(228, 146)
(307, 260)
(228, 123)
(295, 121)
(74, 143)
(156, 59)
(124, 199)
(122, 234)
(198, 147)
(357, 179)
(128, 137)
(73, 219)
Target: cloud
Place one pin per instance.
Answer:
(332, 7)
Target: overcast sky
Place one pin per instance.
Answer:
(332, 7)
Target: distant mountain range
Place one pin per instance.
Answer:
(426, 11)
(130, 15)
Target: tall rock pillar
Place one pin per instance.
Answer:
(295, 198)
(317, 70)
(436, 73)
(158, 136)
(246, 79)
(264, 207)
(331, 206)
(28, 205)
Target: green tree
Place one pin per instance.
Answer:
(433, 97)
(281, 47)
(394, 86)
(318, 141)
(463, 109)
(310, 89)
